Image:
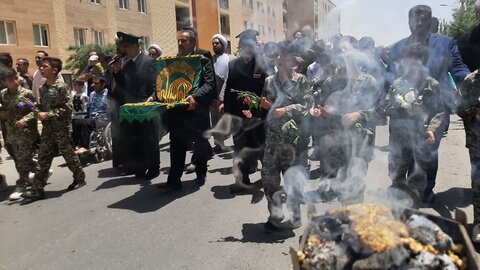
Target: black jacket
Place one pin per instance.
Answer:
(135, 82)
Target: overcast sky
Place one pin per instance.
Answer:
(385, 20)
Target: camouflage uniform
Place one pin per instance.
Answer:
(347, 150)
(469, 111)
(414, 111)
(56, 133)
(22, 140)
(284, 148)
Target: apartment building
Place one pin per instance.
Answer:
(53, 25)
(318, 18)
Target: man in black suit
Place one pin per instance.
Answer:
(246, 73)
(189, 124)
(135, 144)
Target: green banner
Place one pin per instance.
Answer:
(177, 78)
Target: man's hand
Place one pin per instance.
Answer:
(149, 99)
(430, 137)
(265, 104)
(116, 66)
(247, 113)
(221, 107)
(20, 124)
(351, 118)
(4, 115)
(279, 112)
(42, 116)
(192, 104)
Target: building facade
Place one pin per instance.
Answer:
(318, 18)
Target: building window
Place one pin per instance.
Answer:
(8, 35)
(268, 10)
(98, 37)
(142, 6)
(144, 42)
(225, 24)
(250, 3)
(273, 12)
(123, 4)
(79, 34)
(223, 4)
(96, 1)
(182, 15)
(40, 35)
(245, 25)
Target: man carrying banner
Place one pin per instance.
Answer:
(188, 123)
(135, 144)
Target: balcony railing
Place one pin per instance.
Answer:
(223, 4)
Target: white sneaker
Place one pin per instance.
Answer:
(3, 183)
(16, 195)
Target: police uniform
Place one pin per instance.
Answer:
(22, 140)
(135, 145)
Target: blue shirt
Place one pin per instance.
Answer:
(97, 102)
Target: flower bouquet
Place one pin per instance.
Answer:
(25, 104)
(249, 98)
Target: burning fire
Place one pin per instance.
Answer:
(368, 236)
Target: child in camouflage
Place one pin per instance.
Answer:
(55, 112)
(17, 105)
(416, 115)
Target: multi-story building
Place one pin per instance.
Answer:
(30, 25)
(317, 18)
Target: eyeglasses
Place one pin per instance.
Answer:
(215, 43)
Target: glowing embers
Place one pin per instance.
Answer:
(369, 236)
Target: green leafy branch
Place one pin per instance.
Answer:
(250, 99)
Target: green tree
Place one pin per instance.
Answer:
(464, 19)
(78, 58)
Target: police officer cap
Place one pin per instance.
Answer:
(127, 37)
(248, 34)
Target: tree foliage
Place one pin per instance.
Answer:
(78, 58)
(464, 19)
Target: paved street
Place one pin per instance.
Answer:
(123, 223)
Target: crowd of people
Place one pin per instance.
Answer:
(273, 98)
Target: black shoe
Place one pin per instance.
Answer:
(76, 185)
(200, 181)
(190, 169)
(126, 172)
(34, 194)
(167, 187)
(269, 227)
(151, 174)
(429, 198)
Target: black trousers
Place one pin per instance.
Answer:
(141, 148)
(248, 145)
(184, 127)
(82, 129)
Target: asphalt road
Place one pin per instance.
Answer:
(123, 223)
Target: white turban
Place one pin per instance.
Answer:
(222, 39)
(156, 47)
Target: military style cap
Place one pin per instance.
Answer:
(248, 34)
(127, 37)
